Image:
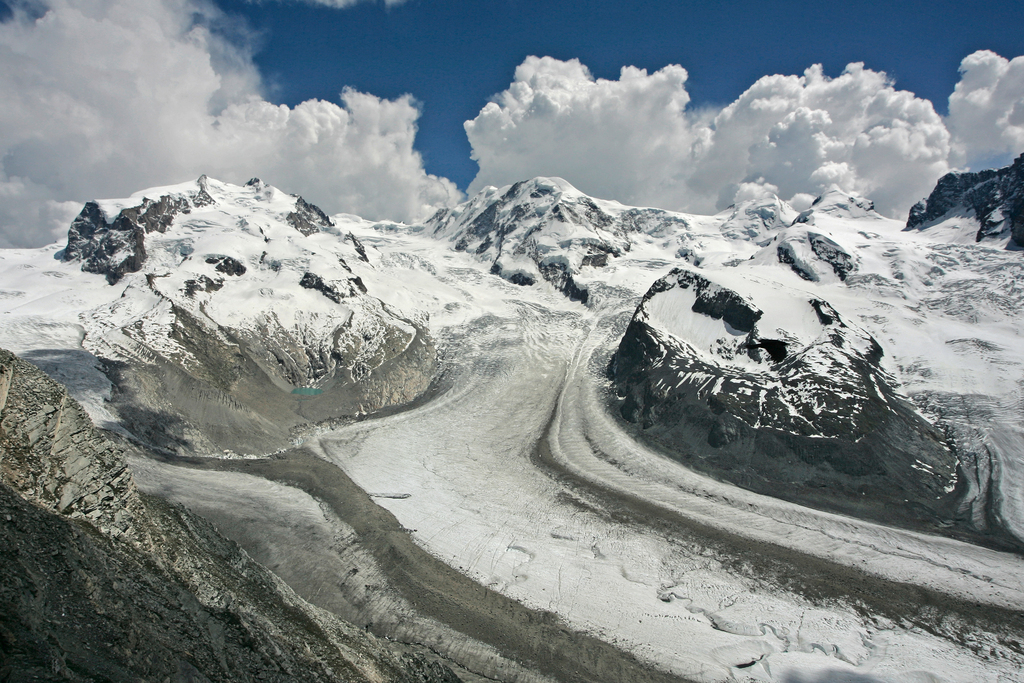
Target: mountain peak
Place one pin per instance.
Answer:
(546, 229)
(842, 204)
(753, 218)
(109, 236)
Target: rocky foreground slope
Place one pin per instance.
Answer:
(101, 582)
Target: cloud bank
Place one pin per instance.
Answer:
(103, 98)
(107, 97)
(633, 139)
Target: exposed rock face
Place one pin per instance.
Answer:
(805, 413)
(226, 265)
(714, 301)
(53, 456)
(119, 247)
(116, 247)
(100, 582)
(308, 218)
(331, 290)
(360, 249)
(993, 197)
(813, 256)
(827, 250)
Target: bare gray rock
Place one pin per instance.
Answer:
(821, 424)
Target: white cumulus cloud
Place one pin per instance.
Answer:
(616, 139)
(106, 97)
(805, 133)
(634, 139)
(986, 111)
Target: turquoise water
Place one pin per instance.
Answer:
(307, 391)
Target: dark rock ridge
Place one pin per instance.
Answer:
(99, 582)
(560, 276)
(360, 249)
(816, 422)
(226, 265)
(841, 261)
(811, 255)
(993, 197)
(119, 247)
(331, 290)
(308, 218)
(787, 255)
(712, 300)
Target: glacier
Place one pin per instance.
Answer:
(515, 466)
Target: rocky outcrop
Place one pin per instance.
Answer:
(993, 197)
(335, 291)
(831, 253)
(101, 582)
(226, 265)
(119, 247)
(714, 301)
(806, 414)
(813, 256)
(308, 218)
(54, 457)
(116, 246)
(360, 249)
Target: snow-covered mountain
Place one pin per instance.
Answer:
(235, 313)
(772, 389)
(985, 205)
(546, 230)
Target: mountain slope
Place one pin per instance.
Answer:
(100, 582)
(217, 303)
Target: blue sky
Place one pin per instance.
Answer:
(453, 55)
